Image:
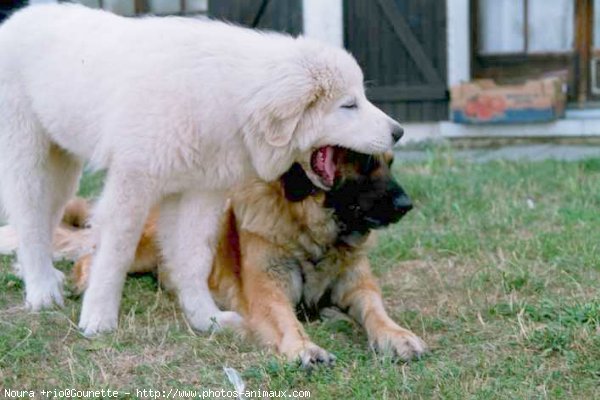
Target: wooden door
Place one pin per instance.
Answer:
(8, 6)
(401, 46)
(278, 15)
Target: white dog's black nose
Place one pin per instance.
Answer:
(397, 132)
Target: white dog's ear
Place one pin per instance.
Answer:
(284, 113)
(280, 106)
(279, 132)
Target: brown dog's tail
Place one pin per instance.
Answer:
(77, 213)
(71, 240)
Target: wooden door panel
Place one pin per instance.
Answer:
(401, 46)
(278, 15)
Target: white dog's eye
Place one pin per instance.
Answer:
(351, 104)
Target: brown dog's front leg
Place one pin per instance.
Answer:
(267, 288)
(358, 292)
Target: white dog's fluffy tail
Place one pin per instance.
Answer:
(8, 240)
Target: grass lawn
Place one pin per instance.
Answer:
(497, 268)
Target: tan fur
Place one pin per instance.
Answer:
(147, 255)
(288, 254)
(77, 213)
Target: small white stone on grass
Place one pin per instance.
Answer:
(530, 204)
(236, 380)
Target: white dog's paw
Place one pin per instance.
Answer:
(398, 342)
(217, 321)
(312, 355)
(45, 292)
(95, 324)
(229, 319)
(97, 317)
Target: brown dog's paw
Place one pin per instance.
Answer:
(399, 342)
(80, 274)
(310, 355)
(313, 355)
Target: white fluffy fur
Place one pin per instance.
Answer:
(8, 240)
(178, 111)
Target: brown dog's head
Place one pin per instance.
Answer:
(364, 194)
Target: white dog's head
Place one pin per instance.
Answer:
(314, 101)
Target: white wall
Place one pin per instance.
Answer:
(459, 41)
(323, 20)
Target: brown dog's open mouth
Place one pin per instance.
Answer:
(323, 164)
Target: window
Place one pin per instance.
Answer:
(525, 26)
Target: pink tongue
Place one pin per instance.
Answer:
(326, 164)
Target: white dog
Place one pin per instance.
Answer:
(177, 111)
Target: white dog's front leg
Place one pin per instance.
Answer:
(188, 228)
(119, 218)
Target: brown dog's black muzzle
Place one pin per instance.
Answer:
(397, 203)
(402, 204)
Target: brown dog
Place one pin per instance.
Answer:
(287, 243)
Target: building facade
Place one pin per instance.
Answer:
(413, 51)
